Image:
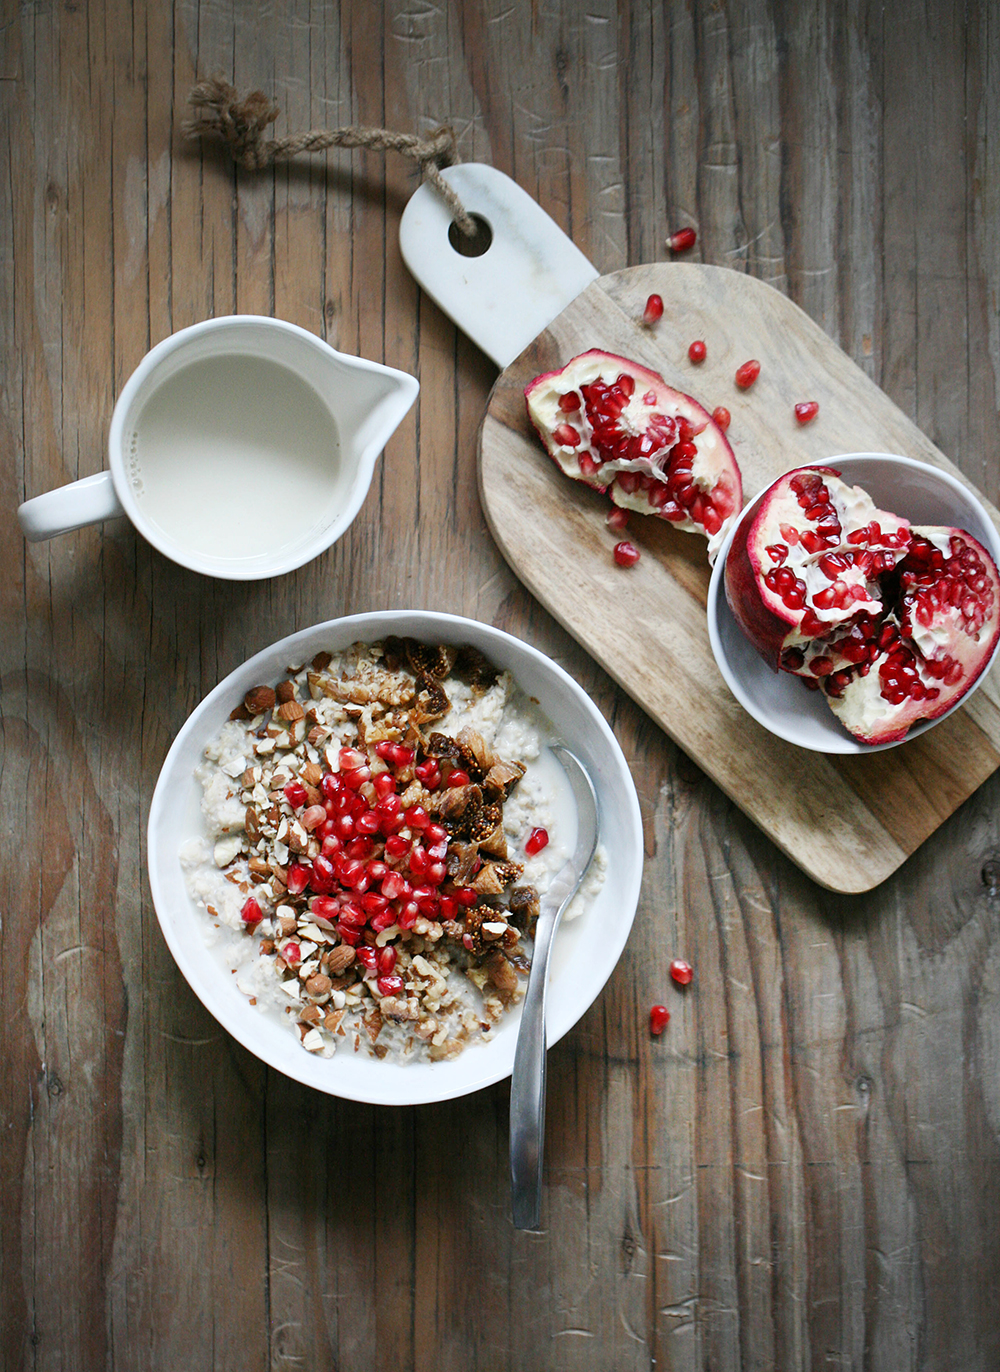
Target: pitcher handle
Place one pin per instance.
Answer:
(88, 501)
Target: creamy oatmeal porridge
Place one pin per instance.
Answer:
(378, 829)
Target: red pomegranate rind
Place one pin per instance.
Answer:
(809, 561)
(935, 645)
(610, 422)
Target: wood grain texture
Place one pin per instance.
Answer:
(848, 827)
(804, 1171)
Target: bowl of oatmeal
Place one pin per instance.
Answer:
(349, 839)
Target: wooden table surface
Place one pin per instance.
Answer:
(804, 1170)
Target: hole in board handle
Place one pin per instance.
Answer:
(479, 241)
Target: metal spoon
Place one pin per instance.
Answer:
(527, 1088)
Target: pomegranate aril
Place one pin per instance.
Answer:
(681, 971)
(682, 239)
(292, 953)
(385, 784)
(389, 986)
(721, 417)
(457, 778)
(626, 554)
(570, 402)
(536, 841)
(435, 833)
(368, 957)
(466, 896)
(297, 878)
(566, 435)
(806, 410)
(697, 352)
(419, 861)
(416, 817)
(350, 759)
(386, 960)
(617, 518)
(428, 773)
(659, 1018)
(324, 874)
(251, 912)
(653, 310)
(295, 794)
(396, 846)
(747, 373)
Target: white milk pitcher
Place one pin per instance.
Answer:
(240, 447)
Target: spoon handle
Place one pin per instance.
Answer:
(527, 1097)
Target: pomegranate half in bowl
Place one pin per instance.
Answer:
(928, 506)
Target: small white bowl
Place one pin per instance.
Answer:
(778, 700)
(586, 949)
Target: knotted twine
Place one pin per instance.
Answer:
(242, 124)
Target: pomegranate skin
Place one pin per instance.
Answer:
(765, 630)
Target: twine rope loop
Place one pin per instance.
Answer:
(218, 112)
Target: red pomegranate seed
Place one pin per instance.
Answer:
(566, 436)
(396, 846)
(681, 971)
(251, 912)
(428, 773)
(806, 410)
(536, 841)
(385, 784)
(722, 417)
(466, 896)
(330, 786)
(368, 958)
(416, 817)
(312, 818)
(351, 759)
(292, 954)
(389, 986)
(697, 351)
(626, 554)
(324, 875)
(617, 518)
(401, 755)
(682, 240)
(457, 778)
(653, 310)
(295, 794)
(747, 373)
(659, 1018)
(436, 833)
(298, 878)
(386, 959)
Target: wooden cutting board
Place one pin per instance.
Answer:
(848, 821)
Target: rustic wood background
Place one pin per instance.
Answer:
(804, 1171)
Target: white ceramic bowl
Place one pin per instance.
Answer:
(586, 949)
(778, 700)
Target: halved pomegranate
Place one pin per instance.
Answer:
(619, 427)
(894, 624)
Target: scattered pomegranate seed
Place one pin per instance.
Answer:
(617, 518)
(806, 410)
(681, 971)
(292, 954)
(457, 778)
(626, 554)
(295, 794)
(536, 841)
(659, 1018)
(721, 417)
(747, 374)
(697, 351)
(681, 240)
(653, 310)
(251, 912)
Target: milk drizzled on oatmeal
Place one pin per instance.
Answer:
(363, 867)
